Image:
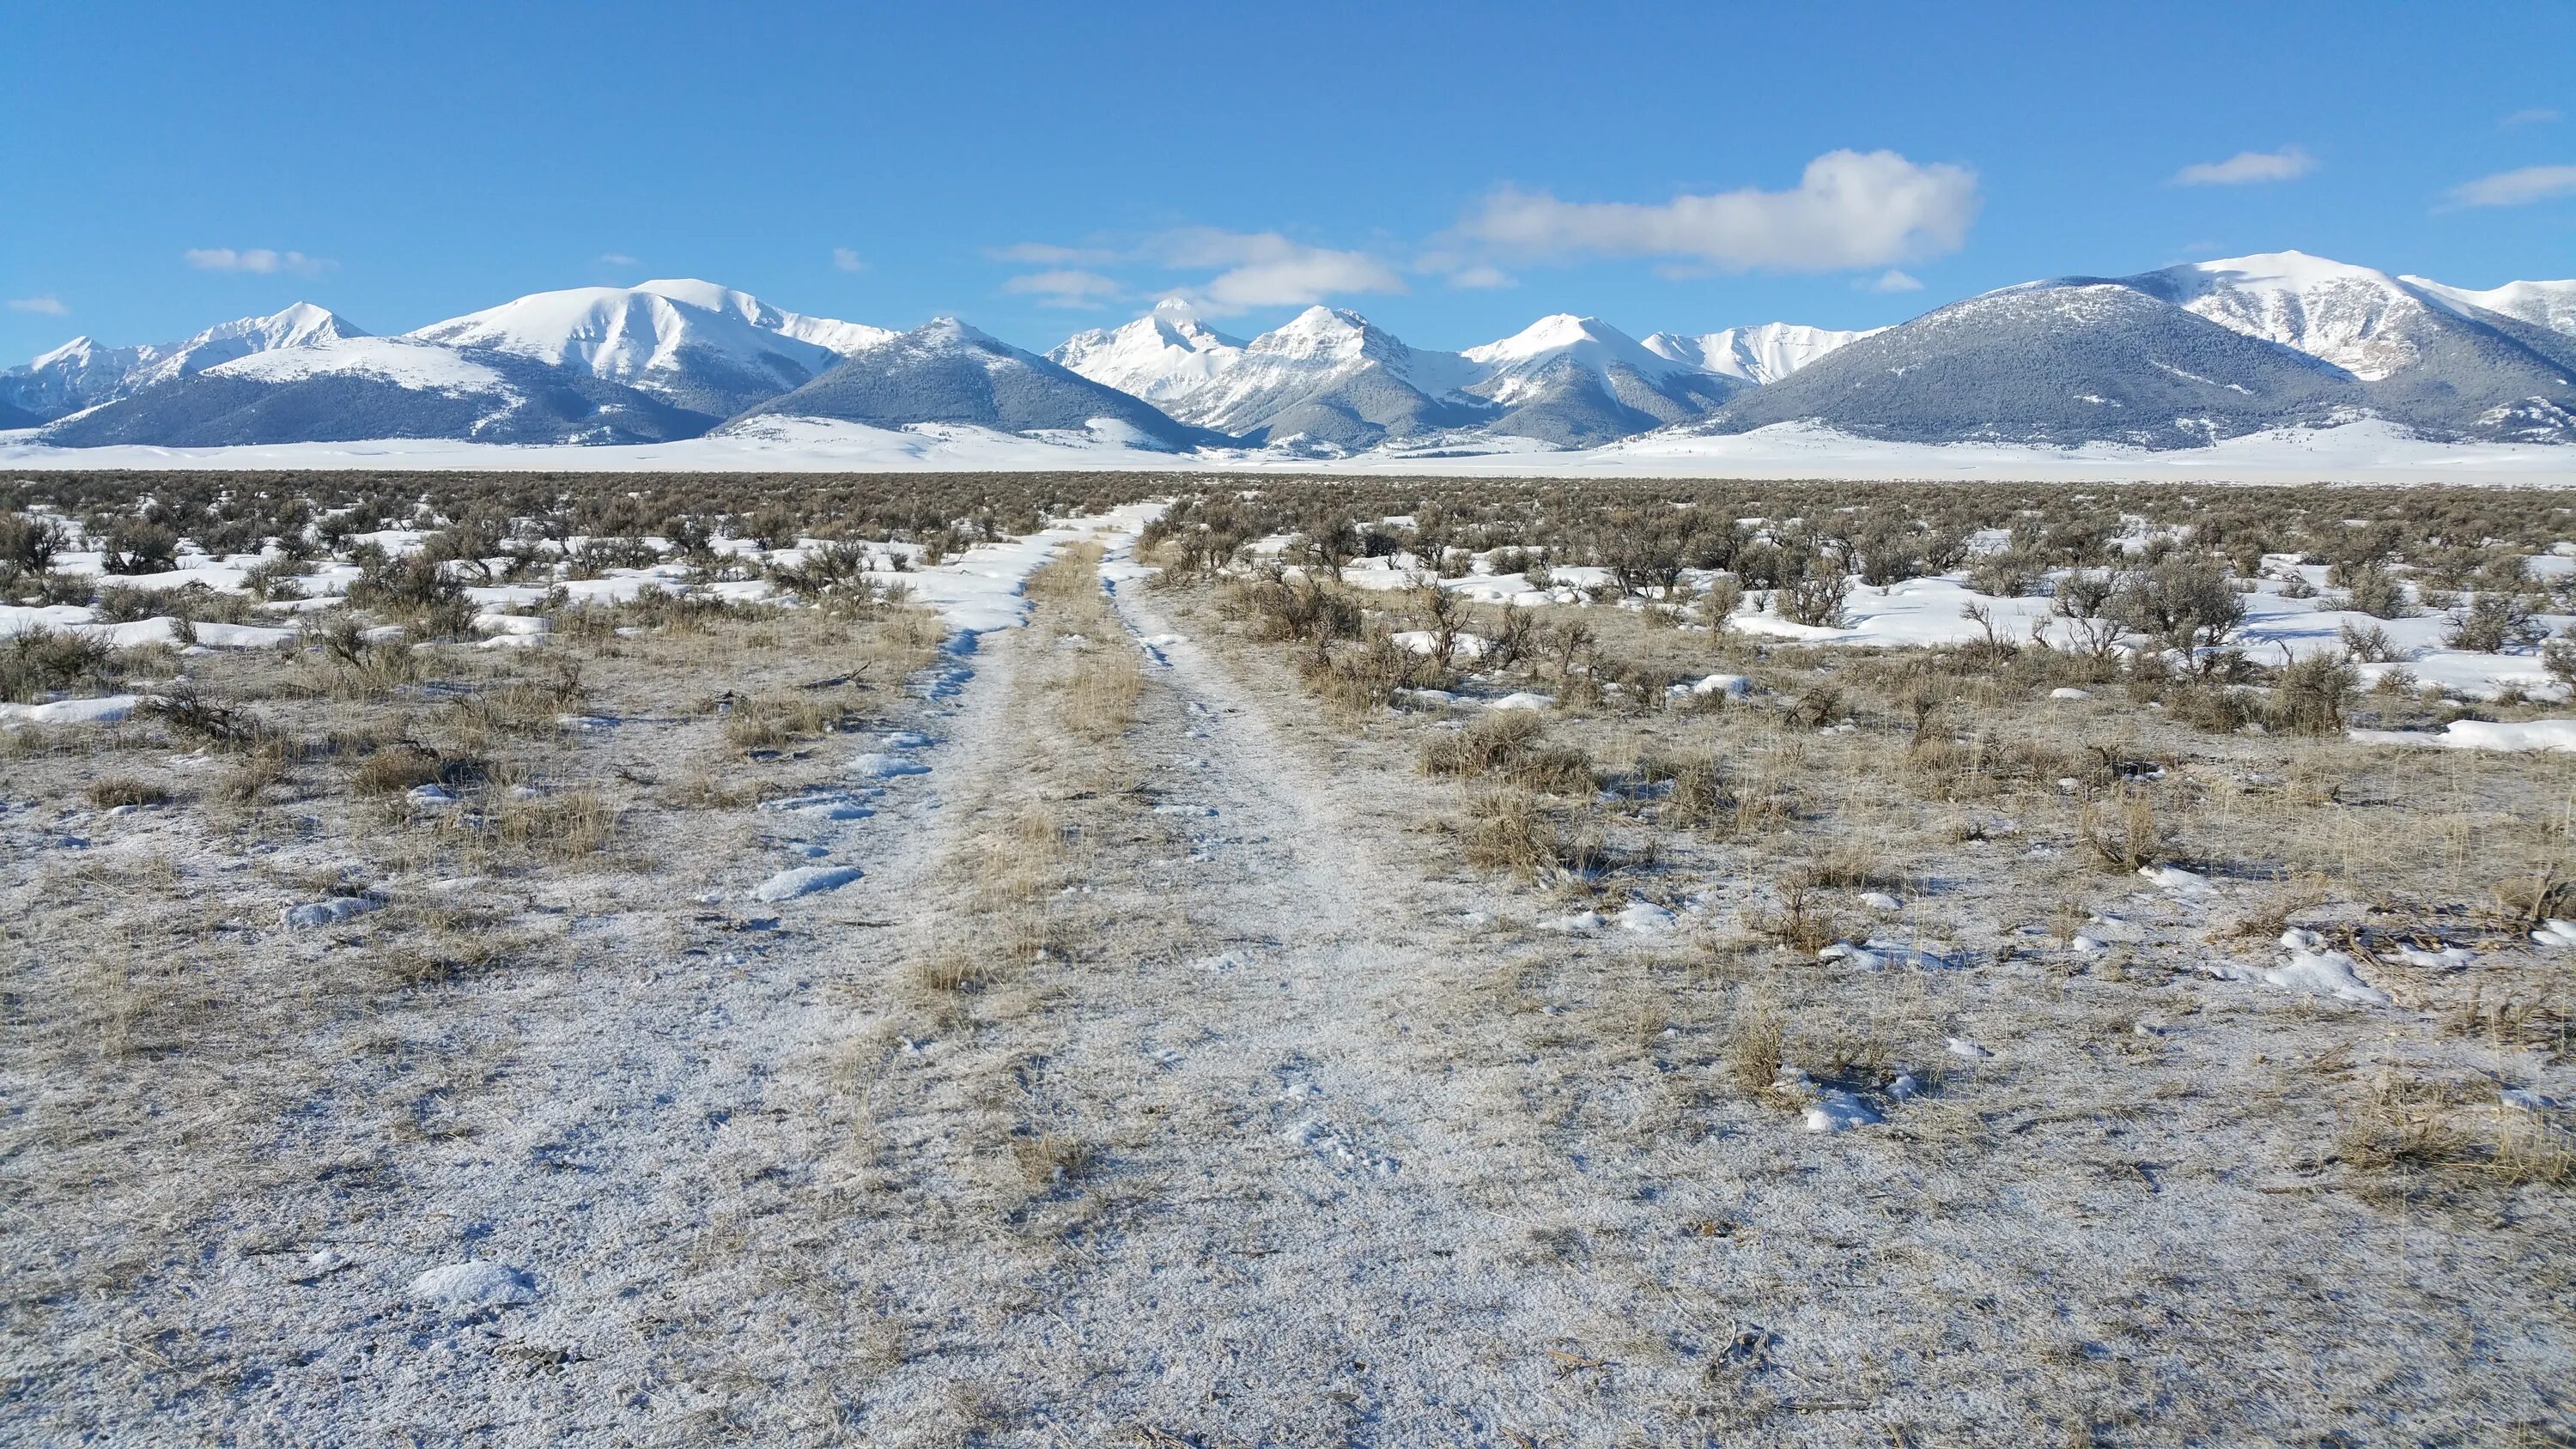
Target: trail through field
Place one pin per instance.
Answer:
(1292, 1219)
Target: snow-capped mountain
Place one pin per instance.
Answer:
(1759, 355)
(2170, 358)
(1578, 381)
(81, 373)
(301, 325)
(1333, 379)
(345, 389)
(2550, 305)
(1159, 357)
(2432, 362)
(693, 344)
(2190, 354)
(947, 372)
(65, 380)
(2055, 363)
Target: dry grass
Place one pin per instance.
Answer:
(111, 791)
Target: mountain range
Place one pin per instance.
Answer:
(2178, 357)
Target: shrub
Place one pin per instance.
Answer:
(2493, 623)
(135, 546)
(2371, 645)
(2375, 591)
(30, 543)
(2181, 602)
(41, 660)
(2311, 694)
(1815, 598)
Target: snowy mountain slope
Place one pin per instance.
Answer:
(693, 344)
(67, 379)
(2054, 363)
(1159, 357)
(301, 325)
(947, 372)
(1577, 381)
(2547, 305)
(1334, 380)
(2426, 359)
(1759, 355)
(348, 389)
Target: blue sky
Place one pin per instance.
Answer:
(1451, 171)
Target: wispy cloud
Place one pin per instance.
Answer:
(1891, 280)
(43, 305)
(1048, 254)
(1266, 269)
(846, 260)
(2531, 116)
(2516, 188)
(261, 260)
(2249, 167)
(618, 259)
(1849, 209)
(1482, 277)
(1066, 287)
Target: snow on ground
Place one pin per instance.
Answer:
(2362, 452)
(2478, 734)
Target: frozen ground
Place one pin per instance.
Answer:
(1091, 1040)
(2367, 452)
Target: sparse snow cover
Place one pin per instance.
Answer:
(804, 880)
(1829, 1109)
(2176, 879)
(105, 709)
(329, 912)
(475, 1284)
(2478, 734)
(2310, 967)
(1877, 955)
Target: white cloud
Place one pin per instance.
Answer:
(1265, 269)
(1065, 287)
(846, 260)
(2287, 164)
(1048, 254)
(1482, 278)
(2517, 188)
(618, 259)
(1891, 280)
(1849, 209)
(261, 260)
(46, 305)
(2531, 116)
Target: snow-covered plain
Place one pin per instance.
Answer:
(2362, 452)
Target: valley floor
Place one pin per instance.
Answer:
(1160, 1079)
(2369, 452)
